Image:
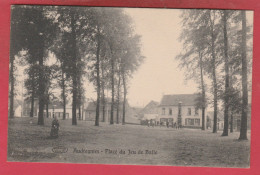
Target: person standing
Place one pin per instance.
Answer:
(55, 126)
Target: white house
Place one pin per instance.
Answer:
(54, 109)
(181, 108)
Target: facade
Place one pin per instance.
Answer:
(180, 109)
(54, 109)
(150, 112)
(220, 120)
(90, 111)
(131, 114)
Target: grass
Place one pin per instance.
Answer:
(29, 142)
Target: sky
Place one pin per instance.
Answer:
(159, 74)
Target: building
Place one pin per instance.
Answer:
(150, 112)
(180, 108)
(27, 107)
(54, 109)
(236, 118)
(151, 109)
(90, 111)
(131, 115)
(210, 120)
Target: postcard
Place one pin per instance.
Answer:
(130, 86)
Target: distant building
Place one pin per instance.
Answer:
(150, 112)
(131, 115)
(27, 107)
(181, 108)
(150, 109)
(236, 118)
(220, 120)
(54, 109)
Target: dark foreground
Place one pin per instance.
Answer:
(129, 144)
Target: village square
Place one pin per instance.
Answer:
(130, 86)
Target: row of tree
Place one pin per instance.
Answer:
(215, 44)
(97, 44)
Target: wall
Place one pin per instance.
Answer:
(184, 114)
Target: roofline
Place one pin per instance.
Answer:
(176, 105)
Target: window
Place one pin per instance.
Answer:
(197, 122)
(192, 122)
(189, 111)
(163, 120)
(196, 111)
(163, 111)
(170, 111)
(189, 122)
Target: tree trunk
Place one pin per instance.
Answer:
(79, 96)
(41, 89)
(226, 103)
(63, 96)
(32, 96)
(202, 91)
(11, 95)
(118, 99)
(47, 108)
(98, 81)
(113, 88)
(41, 83)
(79, 106)
(243, 128)
(103, 93)
(74, 101)
(215, 100)
(124, 103)
(231, 122)
(82, 112)
(75, 71)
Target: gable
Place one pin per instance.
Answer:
(173, 100)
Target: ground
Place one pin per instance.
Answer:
(86, 143)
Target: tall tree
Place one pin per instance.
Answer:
(193, 60)
(213, 34)
(62, 53)
(73, 38)
(31, 83)
(243, 129)
(98, 76)
(226, 101)
(103, 87)
(131, 59)
(72, 22)
(118, 94)
(16, 45)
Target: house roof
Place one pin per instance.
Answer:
(173, 100)
(150, 108)
(152, 103)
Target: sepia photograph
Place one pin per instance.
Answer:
(130, 86)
